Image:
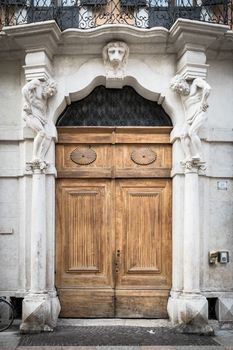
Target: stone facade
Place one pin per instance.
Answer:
(202, 181)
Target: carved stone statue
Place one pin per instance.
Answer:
(194, 98)
(115, 56)
(36, 94)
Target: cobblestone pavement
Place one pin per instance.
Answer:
(117, 335)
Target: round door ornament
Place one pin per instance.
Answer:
(83, 155)
(143, 156)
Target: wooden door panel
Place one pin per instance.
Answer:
(83, 238)
(100, 166)
(129, 135)
(144, 156)
(142, 161)
(84, 233)
(141, 303)
(143, 234)
(143, 247)
(76, 302)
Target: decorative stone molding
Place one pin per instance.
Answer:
(192, 62)
(42, 36)
(36, 166)
(38, 65)
(194, 99)
(36, 94)
(185, 31)
(115, 56)
(193, 166)
(147, 41)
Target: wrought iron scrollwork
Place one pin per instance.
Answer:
(85, 14)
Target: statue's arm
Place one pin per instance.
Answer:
(199, 83)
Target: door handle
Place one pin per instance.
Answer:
(117, 262)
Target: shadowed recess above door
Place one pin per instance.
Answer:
(114, 107)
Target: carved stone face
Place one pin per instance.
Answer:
(116, 55)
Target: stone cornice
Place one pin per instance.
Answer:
(139, 40)
(181, 37)
(41, 36)
(185, 32)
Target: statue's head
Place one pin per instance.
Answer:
(180, 85)
(115, 54)
(39, 89)
(49, 88)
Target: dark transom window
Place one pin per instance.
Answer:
(114, 107)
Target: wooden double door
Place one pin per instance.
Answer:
(113, 222)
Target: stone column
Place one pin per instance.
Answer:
(191, 230)
(38, 229)
(189, 309)
(36, 305)
(193, 307)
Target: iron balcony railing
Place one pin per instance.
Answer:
(85, 14)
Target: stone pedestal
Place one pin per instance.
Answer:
(40, 308)
(224, 310)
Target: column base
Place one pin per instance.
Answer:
(40, 313)
(224, 310)
(189, 313)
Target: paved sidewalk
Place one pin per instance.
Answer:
(115, 335)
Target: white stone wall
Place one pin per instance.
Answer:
(10, 94)
(220, 73)
(217, 204)
(10, 120)
(9, 237)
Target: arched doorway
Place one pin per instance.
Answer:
(113, 211)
